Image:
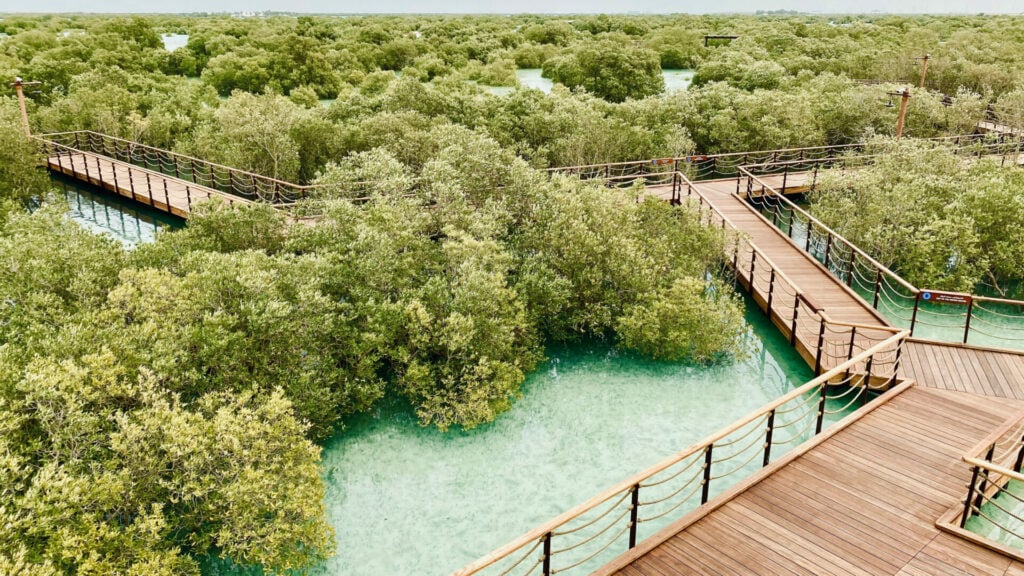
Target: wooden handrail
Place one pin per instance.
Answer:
(831, 232)
(994, 436)
(616, 490)
(302, 187)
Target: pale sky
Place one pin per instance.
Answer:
(520, 6)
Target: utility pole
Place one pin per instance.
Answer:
(904, 97)
(18, 85)
(924, 67)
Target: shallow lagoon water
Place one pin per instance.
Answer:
(404, 499)
(129, 222)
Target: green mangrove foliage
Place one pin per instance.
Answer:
(161, 405)
(941, 220)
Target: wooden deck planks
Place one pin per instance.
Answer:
(863, 502)
(159, 191)
(950, 367)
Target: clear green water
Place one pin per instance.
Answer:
(410, 500)
(404, 499)
(677, 79)
(1009, 516)
(129, 222)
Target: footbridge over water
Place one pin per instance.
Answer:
(938, 437)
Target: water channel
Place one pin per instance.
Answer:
(404, 499)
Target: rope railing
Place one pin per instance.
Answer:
(725, 165)
(928, 314)
(993, 497)
(138, 183)
(612, 522)
(224, 179)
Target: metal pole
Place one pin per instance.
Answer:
(633, 512)
(547, 555)
(771, 293)
(970, 496)
(821, 348)
(913, 317)
(768, 439)
(967, 325)
(707, 475)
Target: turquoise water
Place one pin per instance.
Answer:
(992, 324)
(410, 500)
(531, 78)
(1007, 510)
(677, 79)
(174, 41)
(127, 221)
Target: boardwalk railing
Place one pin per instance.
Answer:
(612, 522)
(994, 497)
(218, 177)
(715, 166)
(822, 341)
(145, 186)
(927, 313)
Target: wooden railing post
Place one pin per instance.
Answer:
(634, 508)
(706, 487)
(768, 439)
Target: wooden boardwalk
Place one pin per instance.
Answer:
(159, 191)
(823, 292)
(863, 501)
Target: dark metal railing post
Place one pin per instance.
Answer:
(753, 261)
(796, 312)
(878, 286)
(810, 229)
(828, 250)
(821, 348)
(99, 171)
(188, 198)
(821, 408)
(547, 555)
(913, 316)
(967, 324)
(980, 498)
(790, 231)
(149, 189)
(968, 512)
(1020, 457)
(705, 489)
(634, 508)
(167, 197)
(771, 293)
(785, 176)
(849, 266)
(768, 439)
